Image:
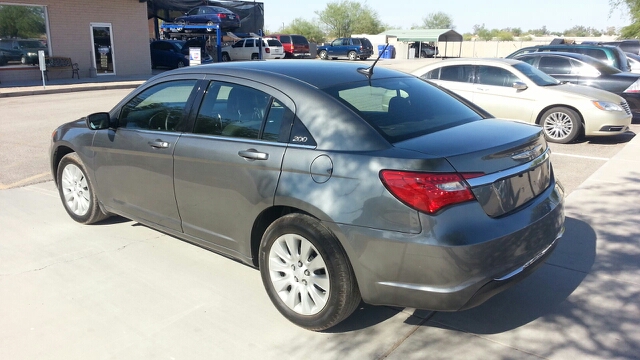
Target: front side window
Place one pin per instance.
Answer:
(238, 111)
(495, 76)
(160, 107)
(403, 108)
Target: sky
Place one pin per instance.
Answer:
(556, 15)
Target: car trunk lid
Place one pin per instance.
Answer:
(512, 157)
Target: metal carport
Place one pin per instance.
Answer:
(428, 35)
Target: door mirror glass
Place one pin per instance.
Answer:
(98, 121)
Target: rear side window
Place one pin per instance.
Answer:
(403, 108)
(355, 41)
(285, 40)
(459, 73)
(273, 42)
(555, 65)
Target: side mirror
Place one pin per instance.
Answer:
(99, 121)
(518, 85)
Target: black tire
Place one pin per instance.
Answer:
(323, 55)
(329, 305)
(181, 24)
(225, 57)
(210, 23)
(254, 56)
(77, 192)
(352, 56)
(363, 58)
(24, 60)
(561, 125)
(180, 64)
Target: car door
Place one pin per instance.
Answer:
(494, 91)
(237, 50)
(134, 162)
(338, 48)
(227, 170)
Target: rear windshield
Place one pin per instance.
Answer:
(403, 108)
(299, 40)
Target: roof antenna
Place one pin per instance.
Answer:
(369, 71)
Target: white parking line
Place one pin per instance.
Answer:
(581, 156)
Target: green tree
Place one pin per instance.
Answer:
(343, 18)
(438, 20)
(18, 21)
(308, 29)
(632, 7)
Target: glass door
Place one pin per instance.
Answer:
(102, 40)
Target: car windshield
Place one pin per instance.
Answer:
(535, 75)
(403, 108)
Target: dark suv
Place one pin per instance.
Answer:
(23, 50)
(295, 46)
(351, 48)
(611, 55)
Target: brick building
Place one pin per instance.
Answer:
(104, 37)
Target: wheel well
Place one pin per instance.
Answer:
(60, 152)
(263, 221)
(539, 118)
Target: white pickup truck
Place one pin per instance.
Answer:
(247, 49)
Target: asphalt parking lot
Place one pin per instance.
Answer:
(121, 290)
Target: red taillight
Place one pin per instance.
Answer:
(267, 50)
(222, 16)
(428, 192)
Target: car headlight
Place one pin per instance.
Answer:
(607, 106)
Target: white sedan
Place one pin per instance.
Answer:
(513, 89)
(248, 49)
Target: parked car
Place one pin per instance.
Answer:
(629, 46)
(338, 184)
(198, 42)
(351, 48)
(8, 54)
(247, 49)
(611, 55)
(513, 89)
(210, 15)
(634, 62)
(426, 50)
(174, 54)
(584, 70)
(23, 50)
(295, 46)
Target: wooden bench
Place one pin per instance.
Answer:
(61, 63)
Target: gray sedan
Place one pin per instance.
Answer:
(339, 183)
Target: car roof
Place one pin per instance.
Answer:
(312, 72)
(478, 61)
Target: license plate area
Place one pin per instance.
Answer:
(508, 194)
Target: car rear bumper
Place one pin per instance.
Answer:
(454, 264)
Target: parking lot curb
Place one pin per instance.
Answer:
(58, 89)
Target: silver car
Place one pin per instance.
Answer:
(338, 182)
(512, 89)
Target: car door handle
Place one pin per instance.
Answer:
(158, 144)
(253, 154)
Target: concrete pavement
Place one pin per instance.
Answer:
(121, 290)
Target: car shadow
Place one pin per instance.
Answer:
(608, 140)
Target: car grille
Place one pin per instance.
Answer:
(626, 107)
